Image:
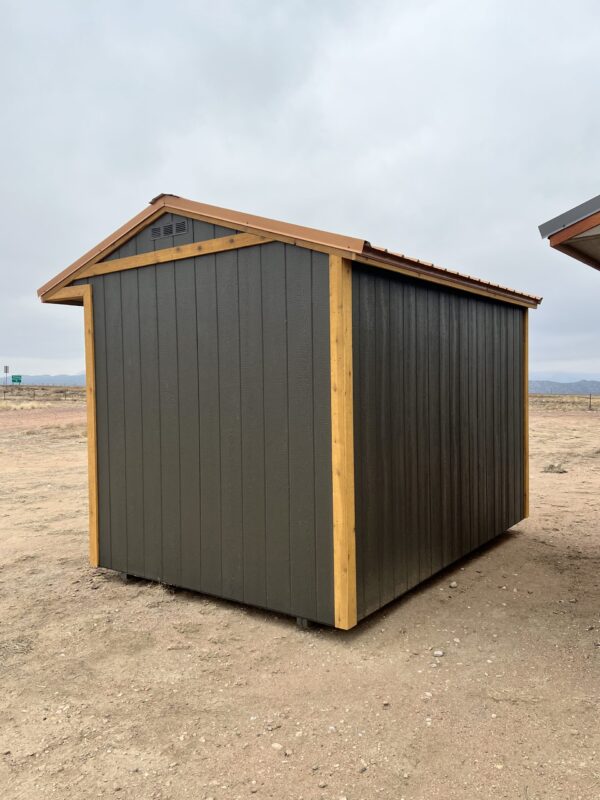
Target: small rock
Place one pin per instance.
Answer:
(453, 584)
(386, 703)
(438, 653)
(362, 769)
(322, 784)
(277, 746)
(287, 753)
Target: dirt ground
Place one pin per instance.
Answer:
(133, 691)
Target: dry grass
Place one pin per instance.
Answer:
(564, 402)
(27, 398)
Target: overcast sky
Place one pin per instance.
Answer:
(448, 130)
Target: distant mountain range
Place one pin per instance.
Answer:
(556, 387)
(49, 380)
(535, 387)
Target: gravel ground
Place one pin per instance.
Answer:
(484, 683)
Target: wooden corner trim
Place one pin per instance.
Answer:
(342, 442)
(84, 294)
(525, 413)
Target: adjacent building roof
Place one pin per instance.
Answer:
(355, 249)
(577, 232)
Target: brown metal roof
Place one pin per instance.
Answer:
(356, 249)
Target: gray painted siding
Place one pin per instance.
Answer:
(214, 432)
(438, 429)
(143, 242)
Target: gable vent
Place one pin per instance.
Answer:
(168, 229)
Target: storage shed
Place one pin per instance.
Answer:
(291, 418)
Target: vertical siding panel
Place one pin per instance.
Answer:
(411, 441)
(397, 436)
(201, 231)
(322, 437)
(368, 360)
(520, 399)
(504, 374)
(276, 412)
(232, 536)
(301, 432)
(383, 427)
(498, 465)
(473, 423)
(481, 422)
(209, 423)
(150, 396)
(102, 423)
(423, 433)
(189, 426)
(169, 423)
(490, 427)
(445, 439)
(510, 430)
(221, 231)
(454, 530)
(116, 426)
(359, 443)
(434, 401)
(133, 427)
(464, 423)
(253, 430)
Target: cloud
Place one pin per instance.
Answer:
(448, 131)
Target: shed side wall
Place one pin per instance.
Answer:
(214, 432)
(438, 402)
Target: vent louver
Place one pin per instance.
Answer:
(168, 229)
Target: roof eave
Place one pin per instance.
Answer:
(329, 242)
(569, 218)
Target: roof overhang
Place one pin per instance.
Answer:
(577, 232)
(351, 248)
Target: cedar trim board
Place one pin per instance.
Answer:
(195, 249)
(70, 295)
(342, 442)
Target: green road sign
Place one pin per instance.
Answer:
(16, 378)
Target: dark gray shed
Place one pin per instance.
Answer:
(291, 418)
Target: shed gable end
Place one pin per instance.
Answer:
(168, 230)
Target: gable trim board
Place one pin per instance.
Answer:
(220, 245)
(341, 357)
